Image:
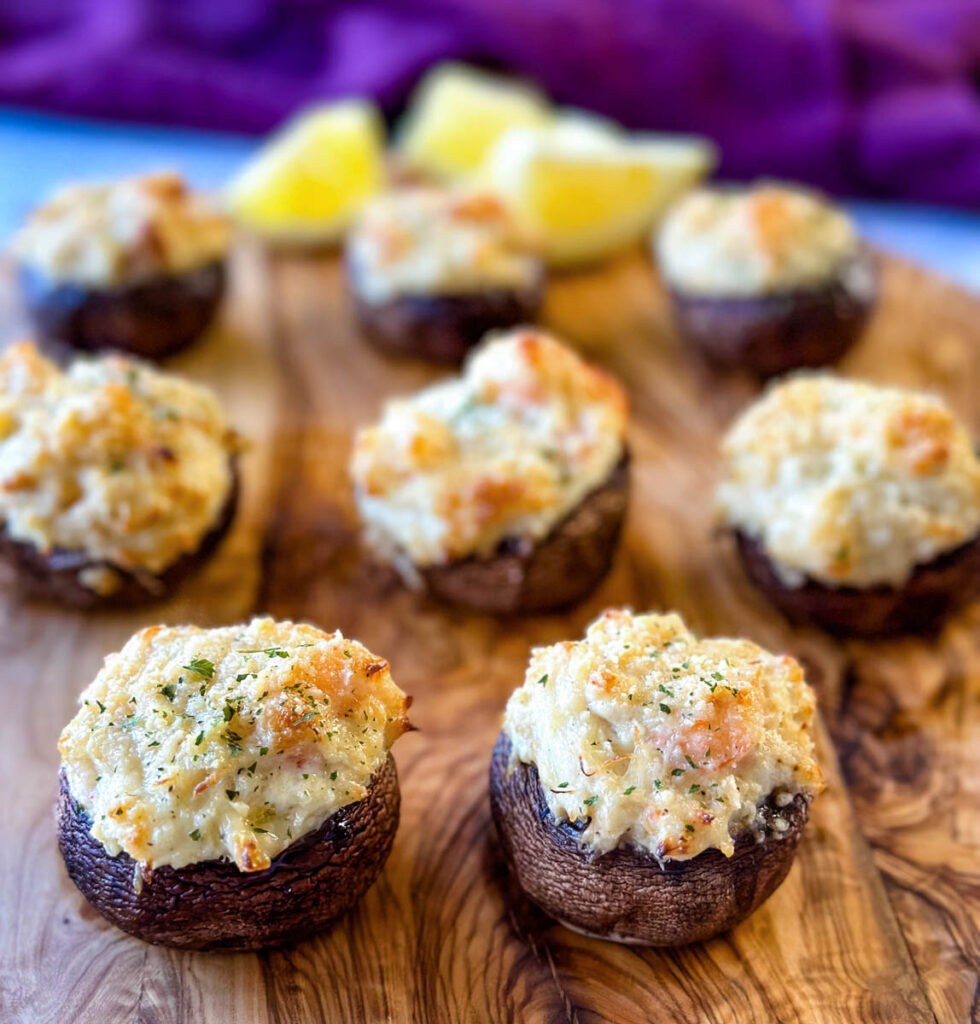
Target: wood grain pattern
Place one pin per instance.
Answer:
(876, 922)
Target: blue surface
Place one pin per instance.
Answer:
(40, 151)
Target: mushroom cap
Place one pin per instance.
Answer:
(443, 328)
(153, 319)
(626, 895)
(526, 577)
(932, 593)
(213, 905)
(770, 334)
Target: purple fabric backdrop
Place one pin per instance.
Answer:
(864, 96)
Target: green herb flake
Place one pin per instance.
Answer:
(169, 691)
(195, 835)
(201, 667)
(263, 751)
(628, 790)
(695, 788)
(232, 794)
(333, 776)
(591, 800)
(543, 681)
(200, 739)
(665, 708)
(677, 771)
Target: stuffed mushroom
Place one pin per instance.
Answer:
(431, 271)
(116, 480)
(503, 489)
(766, 277)
(855, 507)
(135, 264)
(649, 786)
(231, 788)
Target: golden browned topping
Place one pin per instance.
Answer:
(850, 483)
(754, 240)
(425, 241)
(111, 458)
(197, 744)
(119, 232)
(650, 736)
(506, 449)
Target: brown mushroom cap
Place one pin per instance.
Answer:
(626, 895)
(443, 328)
(770, 334)
(932, 593)
(524, 577)
(152, 319)
(57, 575)
(213, 905)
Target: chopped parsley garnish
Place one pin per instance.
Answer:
(628, 790)
(201, 667)
(333, 776)
(232, 794)
(229, 712)
(591, 800)
(242, 676)
(200, 739)
(265, 831)
(169, 691)
(272, 652)
(263, 751)
(664, 689)
(677, 771)
(687, 757)
(694, 789)
(101, 706)
(665, 708)
(657, 784)
(717, 675)
(543, 680)
(562, 785)
(690, 828)
(195, 835)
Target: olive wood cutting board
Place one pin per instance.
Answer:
(878, 918)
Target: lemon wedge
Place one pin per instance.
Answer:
(310, 180)
(584, 189)
(458, 113)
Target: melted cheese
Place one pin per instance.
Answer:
(505, 450)
(431, 242)
(115, 233)
(194, 744)
(849, 483)
(752, 241)
(111, 458)
(645, 735)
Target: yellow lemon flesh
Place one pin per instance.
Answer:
(312, 178)
(584, 189)
(458, 113)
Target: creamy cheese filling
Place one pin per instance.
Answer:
(194, 744)
(849, 483)
(431, 242)
(755, 240)
(111, 458)
(645, 735)
(107, 234)
(505, 450)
